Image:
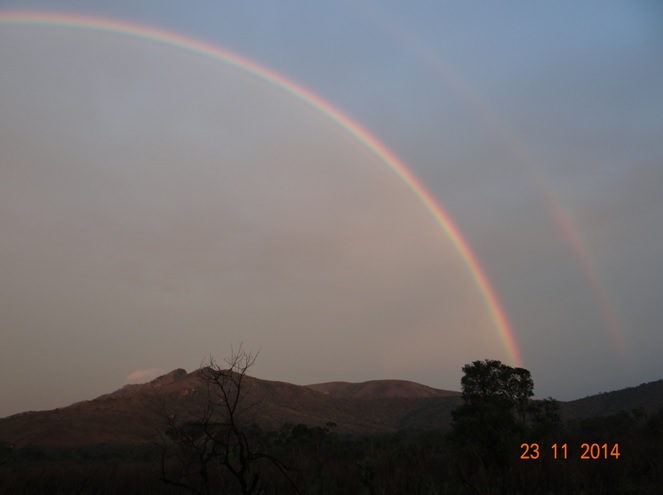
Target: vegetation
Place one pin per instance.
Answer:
(219, 450)
(502, 442)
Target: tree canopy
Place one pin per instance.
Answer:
(491, 381)
(498, 412)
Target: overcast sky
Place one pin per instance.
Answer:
(158, 206)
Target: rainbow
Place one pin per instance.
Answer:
(523, 157)
(377, 148)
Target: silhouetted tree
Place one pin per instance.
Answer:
(492, 381)
(492, 421)
(222, 439)
(545, 418)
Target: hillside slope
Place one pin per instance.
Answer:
(135, 413)
(646, 396)
(380, 388)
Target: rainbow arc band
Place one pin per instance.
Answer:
(499, 317)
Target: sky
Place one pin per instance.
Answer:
(354, 190)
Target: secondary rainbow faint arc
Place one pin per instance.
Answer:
(522, 156)
(366, 138)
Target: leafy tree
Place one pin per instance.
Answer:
(490, 381)
(545, 418)
(492, 421)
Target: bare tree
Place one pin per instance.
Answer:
(218, 440)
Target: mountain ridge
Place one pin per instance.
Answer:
(134, 413)
(379, 388)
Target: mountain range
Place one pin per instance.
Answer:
(135, 414)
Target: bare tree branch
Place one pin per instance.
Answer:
(217, 440)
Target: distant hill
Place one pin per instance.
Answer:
(135, 414)
(380, 388)
(646, 396)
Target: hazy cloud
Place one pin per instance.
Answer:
(142, 376)
(157, 206)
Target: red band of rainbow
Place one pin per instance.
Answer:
(445, 222)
